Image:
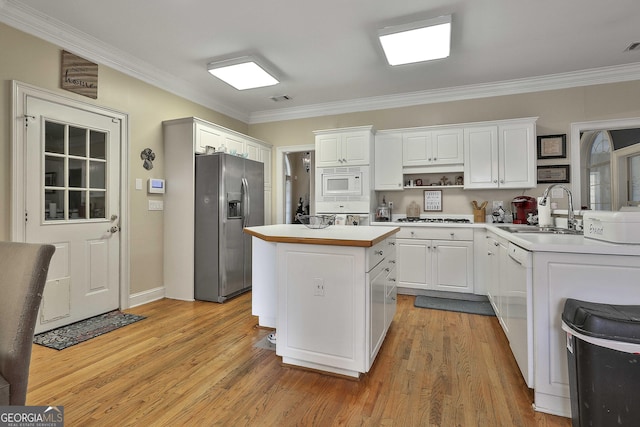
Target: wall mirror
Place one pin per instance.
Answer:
(605, 164)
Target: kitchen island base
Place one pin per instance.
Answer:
(334, 302)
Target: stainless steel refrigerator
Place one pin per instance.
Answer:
(229, 196)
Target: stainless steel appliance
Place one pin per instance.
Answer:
(229, 194)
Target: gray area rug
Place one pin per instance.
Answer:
(84, 330)
(477, 306)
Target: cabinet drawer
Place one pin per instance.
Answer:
(384, 250)
(435, 233)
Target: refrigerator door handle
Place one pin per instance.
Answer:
(247, 201)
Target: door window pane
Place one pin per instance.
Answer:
(53, 171)
(97, 204)
(54, 205)
(97, 175)
(77, 141)
(54, 137)
(98, 144)
(77, 173)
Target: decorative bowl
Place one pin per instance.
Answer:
(316, 221)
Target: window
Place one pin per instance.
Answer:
(598, 169)
(74, 172)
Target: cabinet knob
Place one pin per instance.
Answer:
(392, 261)
(489, 253)
(377, 252)
(392, 243)
(452, 235)
(435, 159)
(387, 270)
(495, 181)
(392, 280)
(502, 181)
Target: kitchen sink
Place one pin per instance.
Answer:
(538, 230)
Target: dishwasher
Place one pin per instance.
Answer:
(519, 309)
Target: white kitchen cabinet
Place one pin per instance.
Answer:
(432, 147)
(600, 278)
(207, 136)
(183, 139)
(388, 161)
(344, 147)
(500, 155)
(435, 258)
(332, 311)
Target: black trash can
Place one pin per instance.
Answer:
(603, 351)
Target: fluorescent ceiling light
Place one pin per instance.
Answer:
(417, 42)
(242, 73)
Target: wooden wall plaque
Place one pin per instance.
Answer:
(79, 75)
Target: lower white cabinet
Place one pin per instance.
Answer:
(435, 258)
(335, 304)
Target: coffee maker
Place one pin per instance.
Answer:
(521, 207)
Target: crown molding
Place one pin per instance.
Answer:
(604, 75)
(30, 21)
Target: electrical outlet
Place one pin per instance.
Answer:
(497, 204)
(318, 287)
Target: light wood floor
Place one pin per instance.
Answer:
(195, 364)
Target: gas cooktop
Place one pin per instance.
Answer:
(435, 220)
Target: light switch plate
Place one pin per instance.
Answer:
(156, 205)
(138, 183)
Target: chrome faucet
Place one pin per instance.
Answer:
(571, 218)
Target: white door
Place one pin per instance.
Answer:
(72, 198)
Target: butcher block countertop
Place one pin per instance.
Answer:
(335, 235)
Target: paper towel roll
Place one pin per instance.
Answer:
(544, 214)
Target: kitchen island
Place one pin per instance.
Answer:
(330, 293)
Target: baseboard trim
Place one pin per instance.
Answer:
(145, 297)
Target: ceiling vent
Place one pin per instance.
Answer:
(633, 47)
(279, 98)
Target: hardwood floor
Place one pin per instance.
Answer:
(194, 363)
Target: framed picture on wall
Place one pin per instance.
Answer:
(552, 147)
(553, 174)
(433, 200)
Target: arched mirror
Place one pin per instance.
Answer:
(605, 164)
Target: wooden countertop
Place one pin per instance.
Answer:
(335, 235)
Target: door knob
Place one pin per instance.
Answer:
(114, 229)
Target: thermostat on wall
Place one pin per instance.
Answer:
(155, 185)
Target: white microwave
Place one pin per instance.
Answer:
(340, 184)
(343, 190)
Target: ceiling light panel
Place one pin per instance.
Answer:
(242, 73)
(417, 42)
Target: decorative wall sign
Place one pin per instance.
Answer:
(79, 75)
(433, 200)
(552, 147)
(553, 174)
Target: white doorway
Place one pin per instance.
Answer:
(69, 193)
(286, 200)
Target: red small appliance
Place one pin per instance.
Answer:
(521, 207)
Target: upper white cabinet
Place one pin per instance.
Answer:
(344, 147)
(432, 147)
(388, 161)
(500, 155)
